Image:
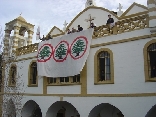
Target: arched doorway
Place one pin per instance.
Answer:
(10, 110)
(62, 109)
(151, 112)
(105, 110)
(31, 109)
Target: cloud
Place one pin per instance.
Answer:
(49, 13)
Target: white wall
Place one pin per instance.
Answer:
(128, 70)
(101, 18)
(22, 70)
(71, 89)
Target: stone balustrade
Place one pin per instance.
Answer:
(27, 49)
(122, 26)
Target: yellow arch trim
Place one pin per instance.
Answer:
(29, 75)
(96, 77)
(146, 64)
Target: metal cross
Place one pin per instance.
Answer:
(65, 23)
(120, 7)
(90, 19)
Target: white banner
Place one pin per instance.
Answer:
(64, 56)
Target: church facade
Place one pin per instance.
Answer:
(117, 80)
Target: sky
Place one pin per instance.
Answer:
(49, 13)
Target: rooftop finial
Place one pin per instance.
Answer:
(90, 3)
(20, 13)
(120, 12)
(65, 25)
(120, 7)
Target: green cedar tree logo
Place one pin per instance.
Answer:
(45, 53)
(78, 47)
(61, 51)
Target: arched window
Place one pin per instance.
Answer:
(103, 66)
(12, 75)
(150, 61)
(33, 74)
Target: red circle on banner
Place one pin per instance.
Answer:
(44, 60)
(57, 60)
(84, 38)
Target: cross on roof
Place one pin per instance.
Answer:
(65, 23)
(120, 7)
(90, 19)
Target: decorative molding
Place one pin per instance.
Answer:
(124, 40)
(27, 49)
(134, 15)
(64, 84)
(152, 17)
(134, 4)
(94, 95)
(21, 21)
(153, 9)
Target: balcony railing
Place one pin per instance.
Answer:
(27, 49)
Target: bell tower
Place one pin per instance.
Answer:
(90, 3)
(18, 27)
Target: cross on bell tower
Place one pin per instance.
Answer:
(90, 3)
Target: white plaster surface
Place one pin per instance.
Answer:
(55, 32)
(136, 9)
(128, 70)
(101, 17)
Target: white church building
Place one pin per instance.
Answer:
(117, 80)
